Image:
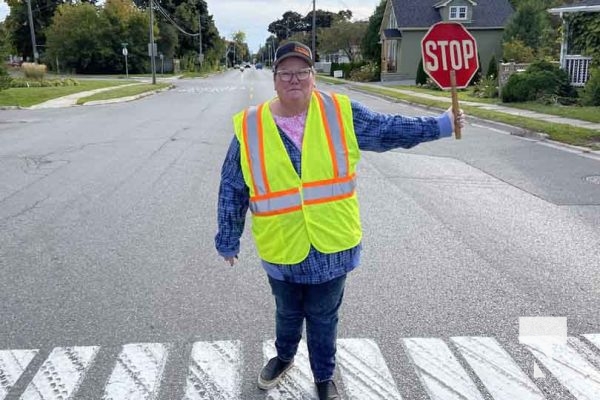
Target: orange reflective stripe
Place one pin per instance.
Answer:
(274, 194)
(336, 173)
(261, 147)
(338, 112)
(247, 148)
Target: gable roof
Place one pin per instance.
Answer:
(444, 3)
(423, 14)
(578, 6)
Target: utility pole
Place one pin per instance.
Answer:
(151, 46)
(314, 33)
(32, 31)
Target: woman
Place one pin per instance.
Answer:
(293, 163)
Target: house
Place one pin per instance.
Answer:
(405, 22)
(576, 65)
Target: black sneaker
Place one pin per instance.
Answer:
(327, 391)
(272, 373)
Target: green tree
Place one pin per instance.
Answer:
(492, 71)
(289, 23)
(532, 25)
(371, 48)
(4, 51)
(343, 35)
(517, 51)
(421, 78)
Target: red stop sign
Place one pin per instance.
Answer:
(449, 46)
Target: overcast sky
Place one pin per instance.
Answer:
(253, 16)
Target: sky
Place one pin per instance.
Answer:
(254, 16)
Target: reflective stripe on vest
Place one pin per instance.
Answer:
(265, 202)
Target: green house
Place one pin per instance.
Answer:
(405, 22)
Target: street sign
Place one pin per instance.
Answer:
(446, 47)
(125, 51)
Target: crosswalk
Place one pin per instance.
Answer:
(445, 368)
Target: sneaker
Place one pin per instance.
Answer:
(327, 391)
(272, 373)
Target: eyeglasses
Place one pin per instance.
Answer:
(301, 74)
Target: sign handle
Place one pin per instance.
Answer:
(455, 106)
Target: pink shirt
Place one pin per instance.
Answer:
(293, 127)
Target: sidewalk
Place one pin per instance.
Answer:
(71, 100)
(493, 107)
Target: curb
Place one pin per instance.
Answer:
(126, 99)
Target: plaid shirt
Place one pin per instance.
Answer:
(374, 132)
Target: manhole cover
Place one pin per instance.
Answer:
(593, 179)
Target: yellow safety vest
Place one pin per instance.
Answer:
(290, 213)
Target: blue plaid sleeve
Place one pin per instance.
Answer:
(233, 202)
(382, 132)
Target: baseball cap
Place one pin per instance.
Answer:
(293, 49)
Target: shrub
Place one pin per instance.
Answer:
(542, 81)
(34, 71)
(367, 73)
(486, 88)
(5, 81)
(590, 95)
(492, 70)
(421, 78)
(517, 51)
(25, 83)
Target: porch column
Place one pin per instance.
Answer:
(564, 45)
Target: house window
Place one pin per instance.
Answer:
(458, 12)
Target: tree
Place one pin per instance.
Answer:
(492, 71)
(371, 48)
(343, 35)
(421, 78)
(289, 23)
(532, 25)
(87, 40)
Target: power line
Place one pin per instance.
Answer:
(165, 14)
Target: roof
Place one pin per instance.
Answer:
(392, 33)
(578, 6)
(423, 14)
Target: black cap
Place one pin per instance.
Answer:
(293, 49)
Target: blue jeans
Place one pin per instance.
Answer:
(319, 305)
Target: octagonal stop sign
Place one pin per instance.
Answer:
(446, 47)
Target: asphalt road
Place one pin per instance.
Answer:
(107, 220)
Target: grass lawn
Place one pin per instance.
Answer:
(26, 97)
(590, 114)
(123, 92)
(559, 132)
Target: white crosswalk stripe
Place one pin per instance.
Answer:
(441, 373)
(501, 376)
(215, 370)
(571, 369)
(136, 375)
(298, 382)
(364, 371)
(594, 339)
(12, 365)
(61, 374)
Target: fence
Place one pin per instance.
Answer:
(578, 68)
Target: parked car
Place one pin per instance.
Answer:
(258, 66)
(247, 65)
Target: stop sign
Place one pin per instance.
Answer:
(449, 46)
